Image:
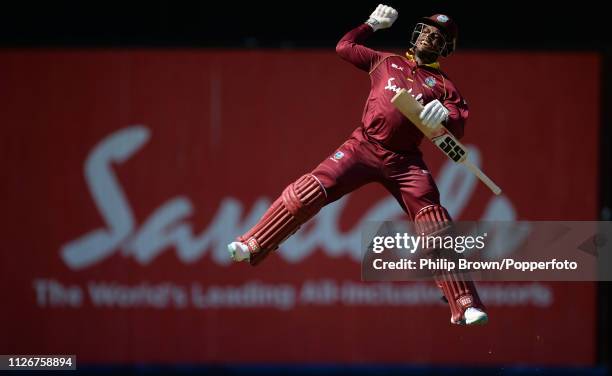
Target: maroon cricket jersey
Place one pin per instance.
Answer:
(389, 73)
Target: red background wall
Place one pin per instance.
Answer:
(222, 131)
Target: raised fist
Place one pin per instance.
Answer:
(382, 17)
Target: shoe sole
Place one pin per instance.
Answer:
(480, 321)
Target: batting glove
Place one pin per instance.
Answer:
(433, 114)
(382, 17)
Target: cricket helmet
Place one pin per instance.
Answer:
(447, 27)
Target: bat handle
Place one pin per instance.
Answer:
(481, 175)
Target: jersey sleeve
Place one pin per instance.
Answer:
(458, 111)
(351, 49)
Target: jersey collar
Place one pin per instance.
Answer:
(434, 65)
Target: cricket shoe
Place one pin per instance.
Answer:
(239, 251)
(473, 316)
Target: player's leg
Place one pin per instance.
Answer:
(342, 172)
(459, 291)
(298, 202)
(412, 184)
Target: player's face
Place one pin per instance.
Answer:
(430, 40)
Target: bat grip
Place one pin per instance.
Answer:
(481, 175)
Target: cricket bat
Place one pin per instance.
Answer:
(442, 138)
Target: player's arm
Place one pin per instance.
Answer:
(457, 112)
(351, 47)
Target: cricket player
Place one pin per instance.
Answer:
(383, 149)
